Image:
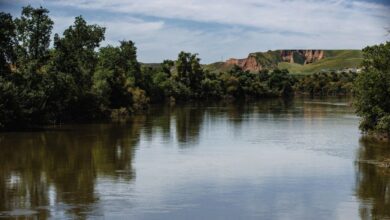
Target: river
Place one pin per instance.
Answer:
(271, 159)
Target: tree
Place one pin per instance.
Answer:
(211, 86)
(7, 43)
(372, 89)
(72, 81)
(10, 111)
(74, 63)
(33, 30)
(129, 63)
(166, 67)
(75, 51)
(280, 80)
(26, 90)
(190, 72)
(118, 77)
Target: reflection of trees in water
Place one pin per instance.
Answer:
(66, 161)
(257, 111)
(187, 120)
(69, 160)
(274, 107)
(158, 120)
(320, 107)
(188, 124)
(373, 181)
(22, 184)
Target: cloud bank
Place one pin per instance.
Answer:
(219, 29)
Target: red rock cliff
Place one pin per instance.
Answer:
(303, 57)
(308, 56)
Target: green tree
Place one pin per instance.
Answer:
(118, 77)
(166, 67)
(372, 88)
(129, 63)
(10, 107)
(7, 43)
(190, 72)
(9, 103)
(109, 80)
(161, 80)
(33, 34)
(282, 81)
(211, 86)
(75, 51)
(74, 62)
(29, 90)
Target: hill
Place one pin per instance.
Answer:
(296, 61)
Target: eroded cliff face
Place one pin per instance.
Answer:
(303, 56)
(234, 61)
(313, 55)
(251, 63)
(287, 56)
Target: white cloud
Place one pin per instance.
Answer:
(129, 28)
(247, 25)
(294, 15)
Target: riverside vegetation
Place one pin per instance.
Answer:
(78, 80)
(372, 86)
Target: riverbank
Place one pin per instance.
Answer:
(124, 115)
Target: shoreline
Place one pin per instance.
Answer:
(125, 116)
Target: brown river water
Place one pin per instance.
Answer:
(272, 159)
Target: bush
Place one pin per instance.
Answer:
(372, 88)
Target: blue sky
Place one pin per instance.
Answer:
(220, 29)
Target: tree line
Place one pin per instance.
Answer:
(73, 78)
(372, 88)
(326, 84)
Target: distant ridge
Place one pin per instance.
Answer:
(296, 61)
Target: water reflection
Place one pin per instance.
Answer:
(42, 169)
(270, 159)
(373, 179)
(184, 120)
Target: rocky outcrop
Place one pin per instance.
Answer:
(234, 61)
(253, 63)
(249, 63)
(287, 56)
(313, 55)
(307, 56)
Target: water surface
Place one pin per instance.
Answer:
(274, 159)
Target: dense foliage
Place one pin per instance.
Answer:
(77, 79)
(326, 84)
(373, 90)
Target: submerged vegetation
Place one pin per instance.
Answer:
(76, 79)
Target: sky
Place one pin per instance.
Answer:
(221, 29)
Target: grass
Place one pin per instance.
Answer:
(218, 67)
(334, 60)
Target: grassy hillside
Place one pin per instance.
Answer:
(217, 67)
(269, 59)
(334, 60)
